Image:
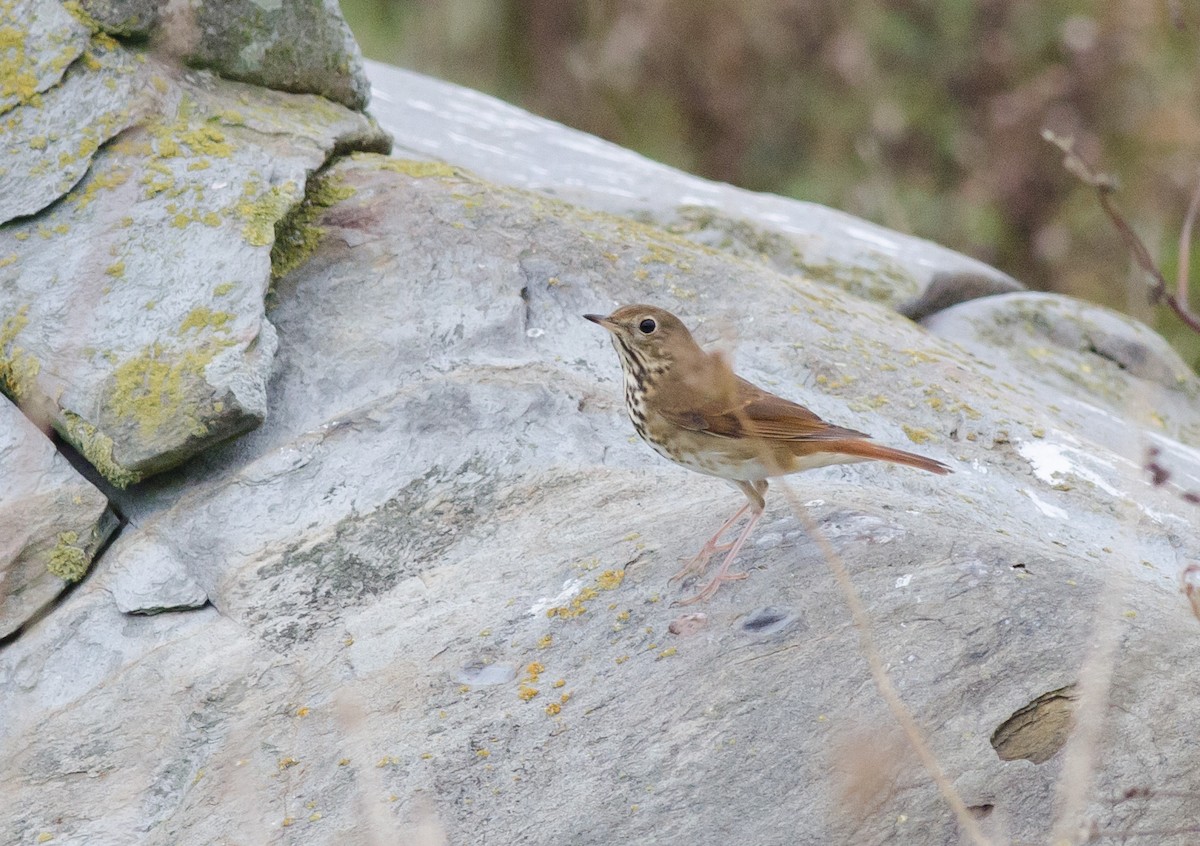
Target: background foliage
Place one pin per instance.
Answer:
(923, 115)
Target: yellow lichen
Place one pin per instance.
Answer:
(68, 560)
(412, 167)
(916, 434)
(202, 317)
(297, 235)
(97, 448)
(260, 212)
(17, 76)
(18, 368)
(154, 386)
(610, 579)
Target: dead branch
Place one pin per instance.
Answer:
(1105, 187)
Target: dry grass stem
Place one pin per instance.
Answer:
(883, 682)
(862, 622)
(1105, 187)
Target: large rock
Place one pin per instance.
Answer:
(436, 119)
(52, 521)
(135, 296)
(438, 571)
(303, 46)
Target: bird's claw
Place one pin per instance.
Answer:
(709, 590)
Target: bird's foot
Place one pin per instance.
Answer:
(699, 562)
(709, 590)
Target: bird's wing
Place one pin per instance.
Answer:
(749, 411)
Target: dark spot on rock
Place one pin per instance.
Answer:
(980, 812)
(768, 620)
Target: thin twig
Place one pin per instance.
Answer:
(1185, 249)
(1105, 186)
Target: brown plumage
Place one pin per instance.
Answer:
(691, 408)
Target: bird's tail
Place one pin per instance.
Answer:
(869, 450)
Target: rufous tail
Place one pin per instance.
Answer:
(867, 449)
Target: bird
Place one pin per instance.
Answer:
(692, 409)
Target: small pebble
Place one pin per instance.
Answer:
(688, 624)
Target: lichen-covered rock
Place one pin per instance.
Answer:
(49, 144)
(509, 146)
(39, 40)
(134, 306)
(447, 525)
(1085, 356)
(124, 17)
(302, 46)
(52, 521)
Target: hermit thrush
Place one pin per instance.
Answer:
(691, 408)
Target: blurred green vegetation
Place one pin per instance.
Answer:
(922, 115)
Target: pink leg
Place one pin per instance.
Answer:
(723, 574)
(711, 548)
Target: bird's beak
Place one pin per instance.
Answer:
(599, 319)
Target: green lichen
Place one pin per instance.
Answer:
(202, 317)
(223, 289)
(297, 235)
(76, 10)
(17, 77)
(96, 448)
(154, 387)
(917, 435)
(18, 368)
(68, 560)
(97, 183)
(413, 167)
(261, 212)
(207, 140)
(885, 283)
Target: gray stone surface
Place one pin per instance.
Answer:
(147, 578)
(446, 515)
(436, 119)
(1099, 364)
(303, 46)
(52, 521)
(138, 296)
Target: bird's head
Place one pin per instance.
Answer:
(648, 338)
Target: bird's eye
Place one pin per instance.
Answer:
(648, 326)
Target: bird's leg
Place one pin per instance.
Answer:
(711, 548)
(723, 575)
(755, 493)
